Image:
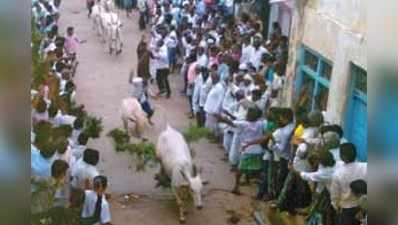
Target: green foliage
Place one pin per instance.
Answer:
(120, 138)
(38, 67)
(194, 133)
(143, 152)
(93, 126)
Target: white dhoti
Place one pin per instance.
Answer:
(227, 139)
(211, 123)
(234, 150)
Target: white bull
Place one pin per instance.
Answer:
(98, 9)
(101, 15)
(131, 111)
(176, 161)
(114, 33)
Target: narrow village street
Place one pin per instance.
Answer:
(269, 96)
(102, 82)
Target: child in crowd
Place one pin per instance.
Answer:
(360, 190)
(250, 129)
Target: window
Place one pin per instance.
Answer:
(311, 60)
(313, 82)
(326, 70)
(360, 79)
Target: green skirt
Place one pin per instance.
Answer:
(250, 162)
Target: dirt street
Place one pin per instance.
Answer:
(102, 82)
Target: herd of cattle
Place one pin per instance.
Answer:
(107, 25)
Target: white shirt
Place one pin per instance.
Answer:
(63, 119)
(323, 176)
(203, 60)
(199, 93)
(336, 154)
(82, 171)
(256, 56)
(229, 102)
(171, 41)
(75, 136)
(67, 156)
(247, 52)
(77, 151)
(89, 207)
(300, 162)
(340, 191)
(281, 138)
(162, 59)
(141, 5)
(214, 99)
(40, 116)
(277, 83)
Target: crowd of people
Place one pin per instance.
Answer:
(67, 187)
(234, 79)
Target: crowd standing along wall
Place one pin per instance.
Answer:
(335, 31)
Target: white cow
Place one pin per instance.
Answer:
(174, 155)
(131, 111)
(98, 9)
(114, 33)
(102, 18)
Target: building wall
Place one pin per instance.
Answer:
(336, 30)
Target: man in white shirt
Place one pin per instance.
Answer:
(84, 170)
(323, 176)
(96, 208)
(142, 6)
(80, 146)
(342, 198)
(213, 103)
(162, 66)
(257, 52)
(199, 96)
(247, 51)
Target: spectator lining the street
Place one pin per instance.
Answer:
(96, 209)
(343, 200)
(85, 170)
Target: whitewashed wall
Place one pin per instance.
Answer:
(336, 29)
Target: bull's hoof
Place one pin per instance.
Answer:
(182, 220)
(236, 192)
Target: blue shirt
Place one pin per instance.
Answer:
(201, 8)
(40, 166)
(223, 72)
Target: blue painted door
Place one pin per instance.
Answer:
(356, 120)
(357, 131)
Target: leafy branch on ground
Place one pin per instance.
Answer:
(93, 126)
(143, 152)
(194, 133)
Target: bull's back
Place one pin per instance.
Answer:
(172, 149)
